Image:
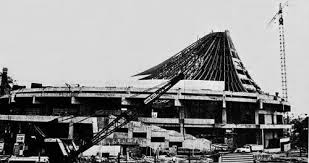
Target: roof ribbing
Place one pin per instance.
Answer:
(213, 57)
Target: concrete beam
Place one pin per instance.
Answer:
(239, 99)
(253, 126)
(276, 126)
(123, 92)
(198, 126)
(194, 121)
(265, 112)
(187, 121)
(42, 118)
(159, 120)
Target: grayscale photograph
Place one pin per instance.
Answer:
(151, 81)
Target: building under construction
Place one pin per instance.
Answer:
(217, 102)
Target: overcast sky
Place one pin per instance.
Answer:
(89, 42)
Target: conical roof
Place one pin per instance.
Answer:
(212, 57)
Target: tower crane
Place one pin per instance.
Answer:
(279, 16)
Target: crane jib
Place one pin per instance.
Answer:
(124, 118)
(157, 93)
(163, 89)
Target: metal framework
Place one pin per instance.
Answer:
(121, 120)
(212, 57)
(279, 15)
(282, 56)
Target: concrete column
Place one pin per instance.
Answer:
(95, 126)
(261, 104)
(130, 130)
(19, 127)
(177, 103)
(71, 130)
(223, 100)
(256, 116)
(125, 102)
(224, 116)
(258, 137)
(263, 138)
(35, 100)
(181, 112)
(148, 136)
(74, 100)
(182, 119)
(275, 118)
(182, 126)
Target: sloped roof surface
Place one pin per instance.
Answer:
(212, 57)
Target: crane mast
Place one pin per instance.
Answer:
(279, 15)
(282, 55)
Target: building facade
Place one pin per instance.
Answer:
(217, 101)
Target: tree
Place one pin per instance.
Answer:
(5, 82)
(299, 137)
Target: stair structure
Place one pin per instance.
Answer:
(237, 158)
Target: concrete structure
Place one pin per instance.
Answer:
(155, 137)
(225, 105)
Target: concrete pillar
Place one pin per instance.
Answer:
(130, 130)
(261, 104)
(12, 98)
(182, 119)
(258, 137)
(125, 102)
(95, 126)
(74, 100)
(182, 126)
(275, 118)
(256, 116)
(148, 136)
(181, 112)
(35, 100)
(263, 138)
(224, 116)
(177, 103)
(224, 102)
(71, 130)
(19, 127)
(181, 109)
